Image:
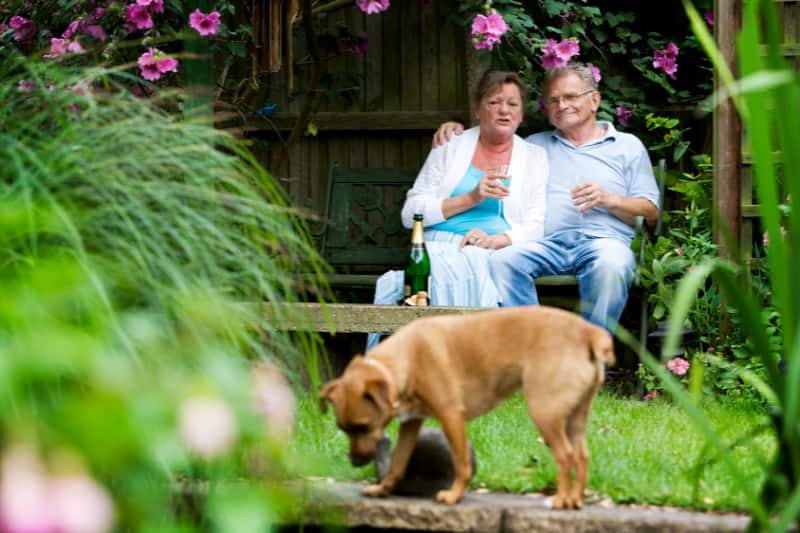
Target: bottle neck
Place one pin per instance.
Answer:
(417, 233)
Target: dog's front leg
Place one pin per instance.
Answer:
(455, 429)
(406, 440)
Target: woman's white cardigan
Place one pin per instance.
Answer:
(447, 164)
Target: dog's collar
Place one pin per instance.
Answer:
(388, 375)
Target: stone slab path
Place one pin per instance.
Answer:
(340, 503)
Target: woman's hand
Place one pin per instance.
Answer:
(489, 186)
(480, 238)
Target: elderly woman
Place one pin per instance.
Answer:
(468, 209)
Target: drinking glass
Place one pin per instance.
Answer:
(574, 182)
(504, 171)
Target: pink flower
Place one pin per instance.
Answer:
(153, 64)
(59, 47)
(492, 24)
(273, 399)
(156, 5)
(32, 501)
(25, 86)
(24, 29)
(137, 18)
(666, 59)
(487, 30)
(595, 72)
(487, 42)
(708, 16)
(24, 505)
(372, 6)
(72, 29)
(678, 366)
(80, 505)
(652, 395)
(204, 24)
(558, 54)
(96, 31)
(207, 426)
(623, 114)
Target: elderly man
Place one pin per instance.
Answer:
(600, 180)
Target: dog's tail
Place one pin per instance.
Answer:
(602, 348)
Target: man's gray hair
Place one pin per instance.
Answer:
(571, 68)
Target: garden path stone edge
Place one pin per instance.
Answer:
(329, 502)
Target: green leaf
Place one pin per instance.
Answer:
(237, 48)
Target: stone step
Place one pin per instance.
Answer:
(333, 503)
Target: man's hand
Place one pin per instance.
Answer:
(446, 132)
(588, 195)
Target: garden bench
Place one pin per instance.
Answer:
(363, 237)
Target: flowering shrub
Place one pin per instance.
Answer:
(102, 31)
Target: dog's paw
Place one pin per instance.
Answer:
(376, 490)
(449, 497)
(567, 503)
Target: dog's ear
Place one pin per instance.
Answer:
(325, 394)
(377, 391)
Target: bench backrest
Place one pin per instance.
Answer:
(362, 215)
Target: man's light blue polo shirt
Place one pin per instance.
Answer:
(618, 162)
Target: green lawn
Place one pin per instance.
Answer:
(643, 452)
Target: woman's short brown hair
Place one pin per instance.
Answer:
(492, 80)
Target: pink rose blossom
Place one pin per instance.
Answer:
(207, 426)
(372, 6)
(623, 114)
(153, 64)
(678, 366)
(204, 24)
(137, 18)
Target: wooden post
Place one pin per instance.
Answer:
(727, 154)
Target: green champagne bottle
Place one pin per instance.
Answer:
(418, 270)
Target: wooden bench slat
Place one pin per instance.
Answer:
(354, 318)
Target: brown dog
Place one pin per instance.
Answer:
(457, 367)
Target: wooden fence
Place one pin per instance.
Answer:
(413, 76)
(734, 194)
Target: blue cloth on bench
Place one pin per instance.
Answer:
(459, 277)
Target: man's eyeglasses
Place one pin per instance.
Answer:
(568, 98)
